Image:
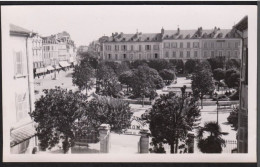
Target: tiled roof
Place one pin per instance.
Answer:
(17, 29)
(22, 134)
(170, 34)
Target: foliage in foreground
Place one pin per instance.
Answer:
(171, 118)
(57, 113)
(212, 143)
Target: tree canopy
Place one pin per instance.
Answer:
(171, 118)
(114, 112)
(232, 78)
(190, 65)
(217, 62)
(167, 74)
(107, 81)
(83, 75)
(57, 114)
(202, 82)
(213, 143)
(145, 80)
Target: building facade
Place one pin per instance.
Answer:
(242, 136)
(50, 51)
(37, 52)
(172, 44)
(19, 100)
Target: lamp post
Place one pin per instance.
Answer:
(217, 106)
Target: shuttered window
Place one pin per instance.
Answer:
(18, 60)
(21, 106)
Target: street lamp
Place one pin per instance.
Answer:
(217, 105)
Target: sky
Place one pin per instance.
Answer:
(88, 23)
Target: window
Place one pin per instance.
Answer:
(166, 54)
(109, 56)
(140, 47)
(140, 56)
(181, 54)
(166, 45)
(228, 53)
(124, 56)
(21, 106)
(236, 54)
(188, 44)
(219, 53)
(195, 53)
(132, 47)
(212, 44)
(18, 63)
(174, 54)
(155, 47)
(212, 54)
(155, 55)
(123, 47)
(205, 45)
(188, 54)
(195, 44)
(116, 47)
(205, 54)
(174, 44)
(148, 55)
(116, 56)
(147, 47)
(181, 45)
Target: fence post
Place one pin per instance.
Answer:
(144, 141)
(104, 133)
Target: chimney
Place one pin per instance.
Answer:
(162, 30)
(178, 30)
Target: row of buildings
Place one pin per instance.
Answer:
(172, 44)
(52, 52)
(28, 54)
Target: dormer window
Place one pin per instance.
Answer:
(148, 38)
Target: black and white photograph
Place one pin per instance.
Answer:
(144, 83)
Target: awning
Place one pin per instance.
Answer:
(40, 70)
(22, 134)
(50, 68)
(56, 67)
(64, 64)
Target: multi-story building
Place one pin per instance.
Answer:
(242, 137)
(50, 52)
(18, 88)
(171, 44)
(38, 63)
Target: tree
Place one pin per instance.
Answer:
(57, 114)
(232, 78)
(145, 80)
(126, 78)
(233, 118)
(158, 64)
(202, 82)
(88, 58)
(136, 63)
(106, 110)
(167, 75)
(117, 67)
(233, 63)
(178, 64)
(107, 81)
(82, 76)
(190, 65)
(217, 62)
(218, 75)
(213, 143)
(171, 118)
